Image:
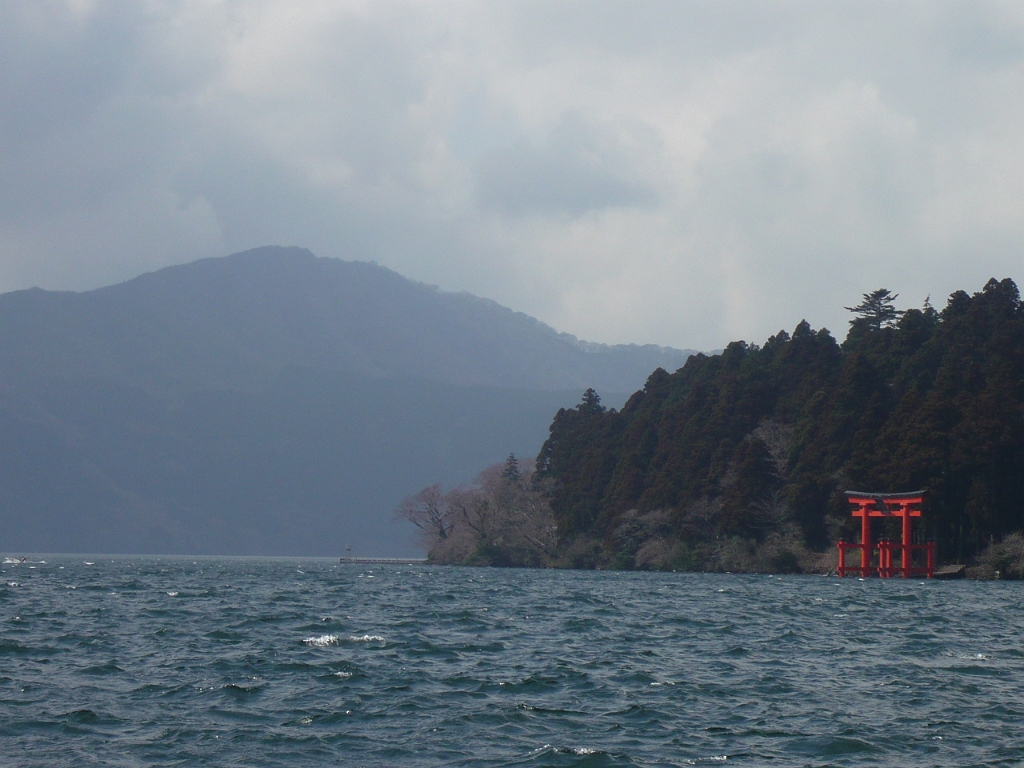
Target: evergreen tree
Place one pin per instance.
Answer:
(748, 491)
(591, 402)
(916, 399)
(876, 311)
(511, 471)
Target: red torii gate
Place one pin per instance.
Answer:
(902, 505)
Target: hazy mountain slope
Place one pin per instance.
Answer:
(234, 322)
(267, 403)
(314, 463)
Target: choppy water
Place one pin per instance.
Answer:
(147, 661)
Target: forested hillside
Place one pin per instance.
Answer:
(740, 460)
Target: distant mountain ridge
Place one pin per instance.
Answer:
(268, 403)
(236, 321)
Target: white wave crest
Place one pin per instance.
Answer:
(367, 639)
(322, 641)
(970, 656)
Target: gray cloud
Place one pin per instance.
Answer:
(574, 171)
(678, 173)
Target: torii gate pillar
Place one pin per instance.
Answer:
(904, 505)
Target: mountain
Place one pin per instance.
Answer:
(234, 322)
(270, 402)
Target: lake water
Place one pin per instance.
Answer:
(271, 662)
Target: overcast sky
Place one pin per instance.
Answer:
(677, 173)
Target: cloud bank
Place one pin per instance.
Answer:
(676, 173)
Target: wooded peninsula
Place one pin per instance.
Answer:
(739, 461)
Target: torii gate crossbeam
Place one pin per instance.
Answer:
(903, 505)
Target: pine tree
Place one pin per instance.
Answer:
(591, 402)
(916, 399)
(876, 311)
(511, 471)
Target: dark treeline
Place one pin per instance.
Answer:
(739, 461)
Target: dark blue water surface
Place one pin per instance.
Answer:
(182, 661)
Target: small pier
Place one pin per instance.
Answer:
(383, 560)
(949, 572)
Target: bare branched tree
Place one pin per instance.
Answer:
(772, 512)
(504, 517)
(778, 438)
(430, 511)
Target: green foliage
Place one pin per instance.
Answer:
(876, 311)
(748, 490)
(511, 471)
(754, 447)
